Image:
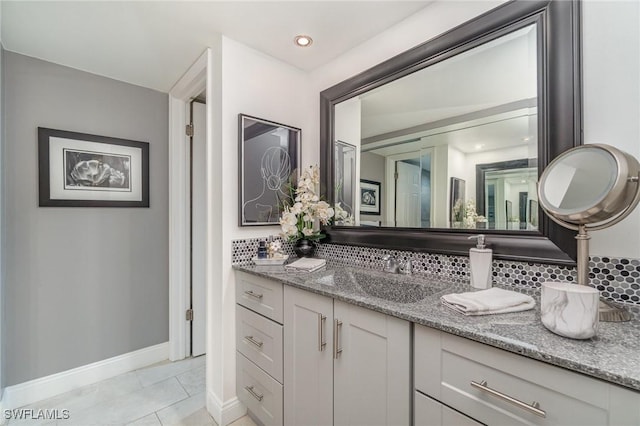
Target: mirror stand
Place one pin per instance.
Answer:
(607, 311)
(621, 195)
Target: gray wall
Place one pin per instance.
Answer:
(82, 284)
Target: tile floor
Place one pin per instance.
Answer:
(167, 393)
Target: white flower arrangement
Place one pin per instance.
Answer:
(342, 216)
(298, 221)
(273, 249)
(466, 214)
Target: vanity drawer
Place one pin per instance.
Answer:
(566, 398)
(260, 295)
(260, 340)
(261, 394)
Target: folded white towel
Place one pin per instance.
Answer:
(486, 302)
(306, 264)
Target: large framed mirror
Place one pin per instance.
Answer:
(475, 114)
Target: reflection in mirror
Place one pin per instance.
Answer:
(581, 180)
(505, 192)
(345, 182)
(414, 134)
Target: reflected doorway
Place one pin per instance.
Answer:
(413, 190)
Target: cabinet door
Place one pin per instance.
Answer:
(308, 362)
(372, 367)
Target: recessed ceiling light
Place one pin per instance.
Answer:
(479, 146)
(303, 41)
(526, 139)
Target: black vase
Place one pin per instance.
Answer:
(304, 248)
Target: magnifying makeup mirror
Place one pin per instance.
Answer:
(588, 188)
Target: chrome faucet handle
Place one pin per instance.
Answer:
(390, 264)
(406, 267)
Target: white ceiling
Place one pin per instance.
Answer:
(152, 43)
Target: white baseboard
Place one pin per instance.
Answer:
(45, 387)
(225, 413)
(3, 421)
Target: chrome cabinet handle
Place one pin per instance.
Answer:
(254, 295)
(337, 325)
(321, 342)
(253, 393)
(253, 341)
(532, 408)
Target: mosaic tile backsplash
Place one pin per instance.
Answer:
(617, 279)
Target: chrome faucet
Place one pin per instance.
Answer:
(406, 267)
(391, 264)
(394, 266)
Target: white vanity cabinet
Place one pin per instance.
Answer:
(372, 370)
(259, 334)
(344, 364)
(307, 359)
(496, 387)
(308, 368)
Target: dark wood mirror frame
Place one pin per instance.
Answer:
(559, 126)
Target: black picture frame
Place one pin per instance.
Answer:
(269, 163)
(370, 192)
(85, 170)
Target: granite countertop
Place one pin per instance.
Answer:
(613, 355)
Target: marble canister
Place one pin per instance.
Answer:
(570, 310)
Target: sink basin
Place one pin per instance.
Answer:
(395, 288)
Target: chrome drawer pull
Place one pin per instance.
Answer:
(254, 295)
(253, 393)
(321, 342)
(533, 408)
(255, 342)
(337, 326)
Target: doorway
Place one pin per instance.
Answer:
(196, 317)
(412, 189)
(407, 194)
(193, 83)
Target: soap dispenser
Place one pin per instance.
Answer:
(262, 250)
(480, 259)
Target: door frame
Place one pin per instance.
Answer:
(192, 83)
(390, 182)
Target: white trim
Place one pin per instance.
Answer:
(45, 387)
(3, 420)
(191, 84)
(225, 413)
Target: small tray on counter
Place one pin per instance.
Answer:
(270, 261)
